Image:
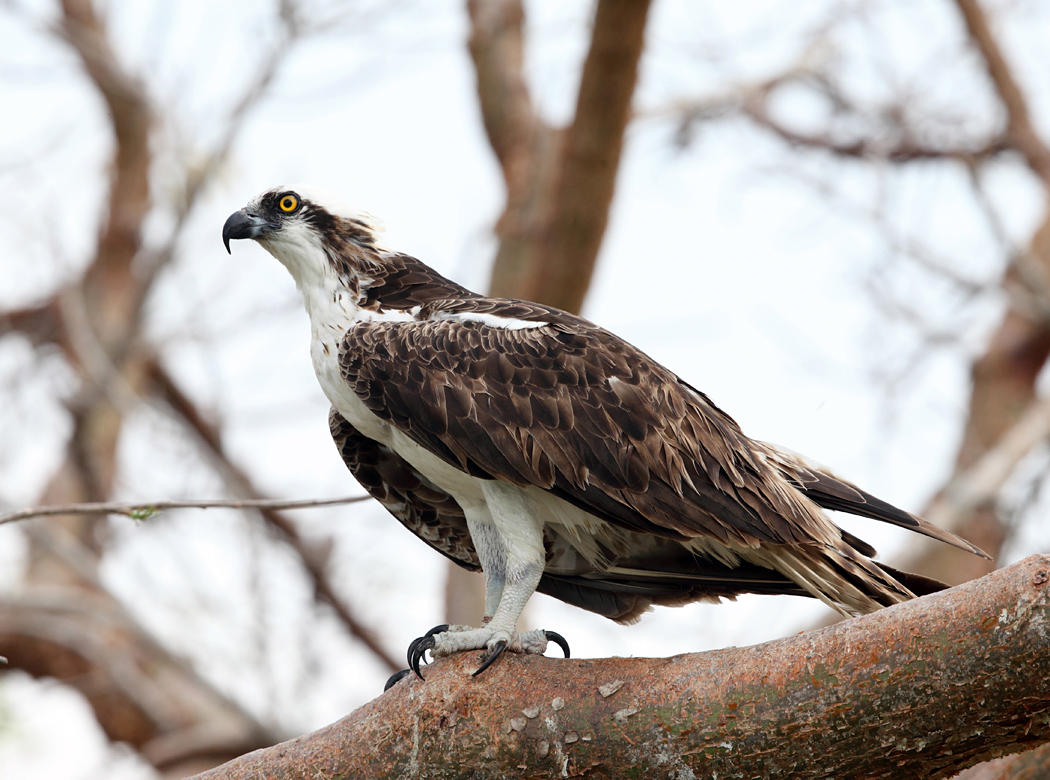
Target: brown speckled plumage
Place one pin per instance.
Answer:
(677, 503)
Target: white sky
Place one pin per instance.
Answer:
(740, 265)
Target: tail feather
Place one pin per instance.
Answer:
(623, 592)
(844, 579)
(832, 492)
(916, 583)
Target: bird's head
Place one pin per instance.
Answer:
(307, 234)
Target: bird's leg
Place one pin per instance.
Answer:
(493, 592)
(509, 541)
(493, 562)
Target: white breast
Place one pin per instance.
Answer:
(324, 350)
(333, 310)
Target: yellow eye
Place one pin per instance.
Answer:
(288, 203)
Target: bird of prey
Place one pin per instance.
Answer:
(551, 454)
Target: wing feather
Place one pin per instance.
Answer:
(622, 595)
(573, 409)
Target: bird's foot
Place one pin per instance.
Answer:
(446, 640)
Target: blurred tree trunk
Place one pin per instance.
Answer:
(1005, 374)
(140, 693)
(560, 181)
(1005, 417)
(64, 623)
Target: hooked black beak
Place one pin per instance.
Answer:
(241, 224)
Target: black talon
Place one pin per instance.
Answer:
(559, 640)
(497, 651)
(418, 647)
(417, 650)
(395, 678)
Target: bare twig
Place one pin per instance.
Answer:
(751, 99)
(900, 151)
(148, 509)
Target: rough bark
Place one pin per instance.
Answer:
(922, 689)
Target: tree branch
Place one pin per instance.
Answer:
(131, 119)
(924, 688)
(903, 151)
(1018, 118)
(147, 509)
(498, 51)
(980, 483)
(590, 159)
(560, 182)
(751, 100)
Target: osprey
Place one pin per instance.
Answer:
(549, 453)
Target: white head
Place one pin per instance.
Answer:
(310, 239)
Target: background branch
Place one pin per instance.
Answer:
(98, 322)
(560, 181)
(310, 556)
(1019, 125)
(147, 509)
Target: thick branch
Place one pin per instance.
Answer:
(591, 154)
(138, 690)
(131, 118)
(924, 689)
(524, 144)
(976, 487)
